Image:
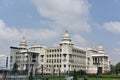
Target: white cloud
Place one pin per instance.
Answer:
(10, 36)
(68, 14)
(79, 40)
(13, 33)
(112, 26)
(6, 32)
(71, 15)
(43, 34)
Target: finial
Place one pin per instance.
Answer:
(100, 44)
(23, 37)
(66, 31)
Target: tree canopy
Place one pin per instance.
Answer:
(15, 67)
(112, 69)
(117, 67)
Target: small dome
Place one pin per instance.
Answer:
(100, 48)
(23, 42)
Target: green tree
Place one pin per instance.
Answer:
(112, 68)
(15, 68)
(74, 75)
(31, 76)
(117, 68)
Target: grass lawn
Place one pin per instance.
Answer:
(108, 77)
(100, 79)
(62, 78)
(88, 79)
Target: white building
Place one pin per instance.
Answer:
(97, 60)
(3, 61)
(60, 59)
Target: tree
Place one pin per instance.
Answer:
(15, 67)
(31, 76)
(117, 68)
(74, 75)
(112, 68)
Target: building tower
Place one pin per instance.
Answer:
(23, 43)
(66, 39)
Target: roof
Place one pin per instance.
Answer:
(98, 55)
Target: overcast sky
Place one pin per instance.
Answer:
(89, 22)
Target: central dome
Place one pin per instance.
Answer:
(66, 35)
(66, 39)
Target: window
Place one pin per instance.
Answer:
(47, 60)
(54, 60)
(57, 55)
(33, 56)
(60, 60)
(57, 60)
(64, 65)
(11, 57)
(60, 55)
(60, 50)
(57, 50)
(33, 60)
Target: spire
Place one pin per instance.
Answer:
(66, 31)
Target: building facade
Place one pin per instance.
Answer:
(49, 60)
(97, 60)
(3, 61)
